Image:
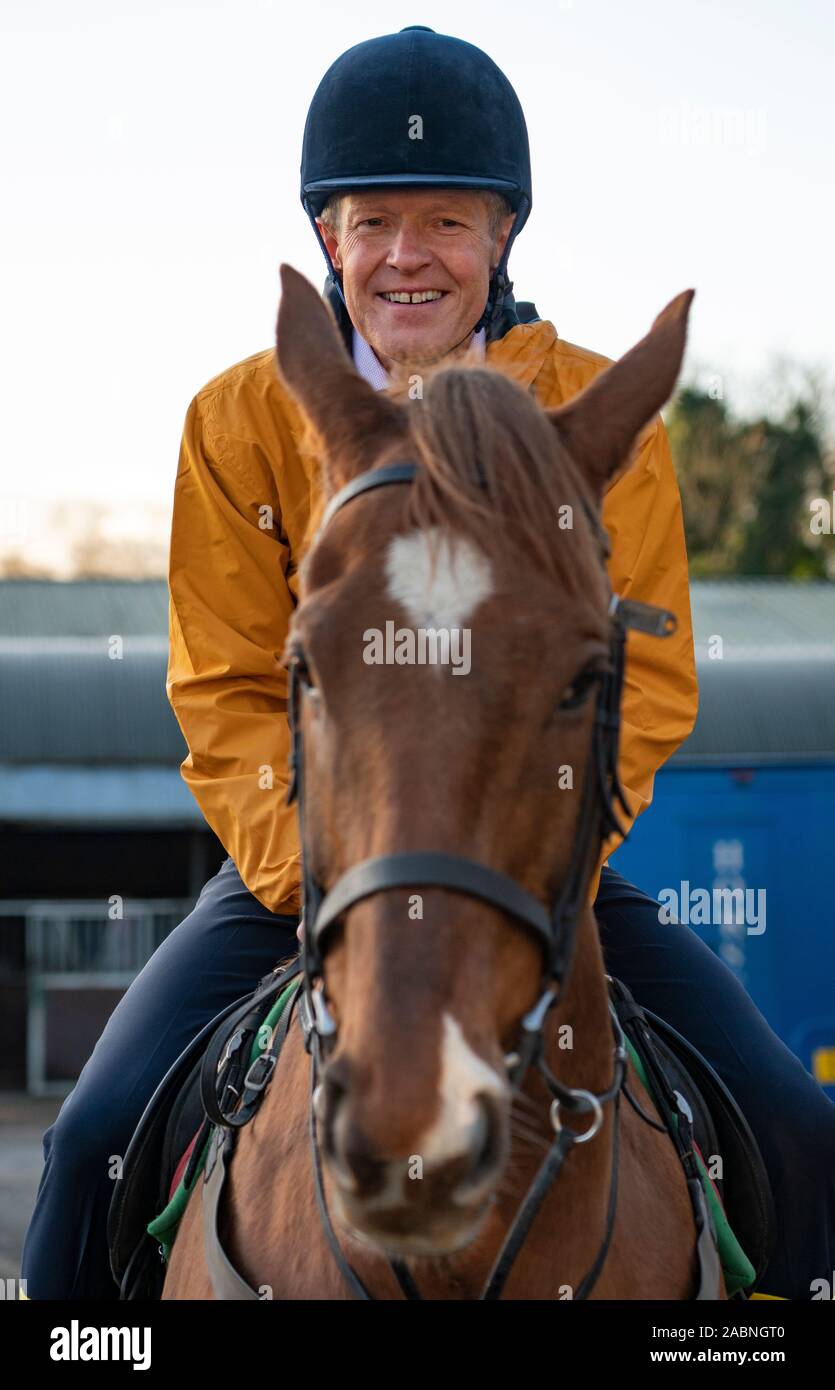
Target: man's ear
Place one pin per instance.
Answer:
(331, 243)
(503, 234)
(599, 427)
(351, 419)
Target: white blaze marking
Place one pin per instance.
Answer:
(464, 1075)
(443, 596)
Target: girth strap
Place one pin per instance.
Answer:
(226, 1281)
(707, 1251)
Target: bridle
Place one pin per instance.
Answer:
(555, 928)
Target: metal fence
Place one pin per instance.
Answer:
(84, 938)
(83, 945)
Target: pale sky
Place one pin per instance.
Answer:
(150, 187)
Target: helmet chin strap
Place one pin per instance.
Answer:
(500, 286)
(333, 279)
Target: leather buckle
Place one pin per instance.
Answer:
(260, 1072)
(232, 1046)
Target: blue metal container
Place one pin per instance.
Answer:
(743, 816)
(770, 831)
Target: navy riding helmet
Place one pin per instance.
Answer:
(418, 109)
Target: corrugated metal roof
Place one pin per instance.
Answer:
(757, 710)
(764, 617)
(67, 697)
(64, 701)
(767, 686)
(748, 613)
(83, 607)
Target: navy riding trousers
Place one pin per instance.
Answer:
(229, 941)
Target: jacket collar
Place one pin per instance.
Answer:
(369, 365)
(523, 351)
(517, 349)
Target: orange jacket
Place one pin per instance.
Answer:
(244, 493)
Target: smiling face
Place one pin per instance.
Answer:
(416, 268)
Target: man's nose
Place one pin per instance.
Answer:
(408, 250)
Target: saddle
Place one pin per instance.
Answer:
(682, 1082)
(168, 1133)
(171, 1141)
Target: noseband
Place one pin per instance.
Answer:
(555, 927)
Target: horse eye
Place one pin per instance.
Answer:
(578, 691)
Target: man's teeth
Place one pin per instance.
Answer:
(420, 297)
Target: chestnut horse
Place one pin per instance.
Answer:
(417, 1000)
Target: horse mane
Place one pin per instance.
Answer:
(492, 470)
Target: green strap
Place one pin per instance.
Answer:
(164, 1227)
(737, 1268)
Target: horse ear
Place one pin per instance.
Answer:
(599, 426)
(349, 416)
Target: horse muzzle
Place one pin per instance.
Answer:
(430, 1201)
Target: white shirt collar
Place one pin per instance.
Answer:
(369, 365)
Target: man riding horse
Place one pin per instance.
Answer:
(416, 179)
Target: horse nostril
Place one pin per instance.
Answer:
(343, 1143)
(327, 1099)
(352, 1160)
(367, 1171)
